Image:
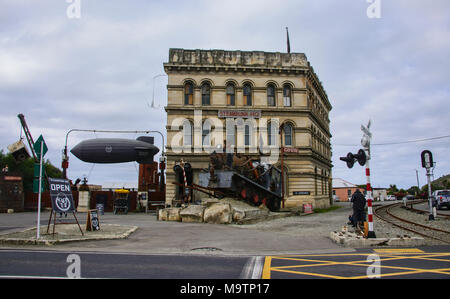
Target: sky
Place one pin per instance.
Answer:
(84, 64)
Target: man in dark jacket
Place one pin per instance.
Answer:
(359, 203)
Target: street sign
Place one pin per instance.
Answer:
(36, 185)
(37, 146)
(36, 170)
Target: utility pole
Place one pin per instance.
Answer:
(418, 186)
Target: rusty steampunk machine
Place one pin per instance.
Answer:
(233, 175)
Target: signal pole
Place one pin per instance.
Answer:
(365, 142)
(427, 163)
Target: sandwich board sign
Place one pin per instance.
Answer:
(62, 200)
(92, 222)
(61, 195)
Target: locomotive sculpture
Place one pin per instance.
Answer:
(237, 176)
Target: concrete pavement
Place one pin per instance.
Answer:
(161, 237)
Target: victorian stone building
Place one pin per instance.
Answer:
(257, 102)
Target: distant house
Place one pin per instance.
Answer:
(379, 194)
(343, 190)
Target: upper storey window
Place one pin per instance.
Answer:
(247, 95)
(206, 94)
(231, 95)
(271, 95)
(188, 93)
(287, 91)
(287, 128)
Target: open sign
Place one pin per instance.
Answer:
(61, 195)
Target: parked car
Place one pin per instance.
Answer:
(391, 197)
(442, 198)
(408, 197)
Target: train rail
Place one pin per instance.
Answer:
(385, 213)
(421, 211)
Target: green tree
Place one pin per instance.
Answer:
(413, 190)
(26, 169)
(392, 189)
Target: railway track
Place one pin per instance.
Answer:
(421, 211)
(385, 213)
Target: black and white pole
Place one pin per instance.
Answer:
(365, 142)
(427, 163)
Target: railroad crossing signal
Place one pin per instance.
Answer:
(427, 163)
(350, 159)
(427, 159)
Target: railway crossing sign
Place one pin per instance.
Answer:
(367, 136)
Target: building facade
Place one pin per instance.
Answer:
(250, 102)
(343, 190)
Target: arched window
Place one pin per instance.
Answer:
(231, 91)
(287, 95)
(271, 135)
(206, 132)
(248, 135)
(247, 95)
(287, 128)
(270, 95)
(187, 133)
(206, 94)
(188, 93)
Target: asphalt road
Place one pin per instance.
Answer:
(426, 262)
(56, 264)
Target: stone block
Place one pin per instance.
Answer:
(169, 214)
(238, 215)
(220, 213)
(192, 213)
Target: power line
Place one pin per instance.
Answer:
(398, 142)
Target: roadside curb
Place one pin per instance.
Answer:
(349, 239)
(4, 239)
